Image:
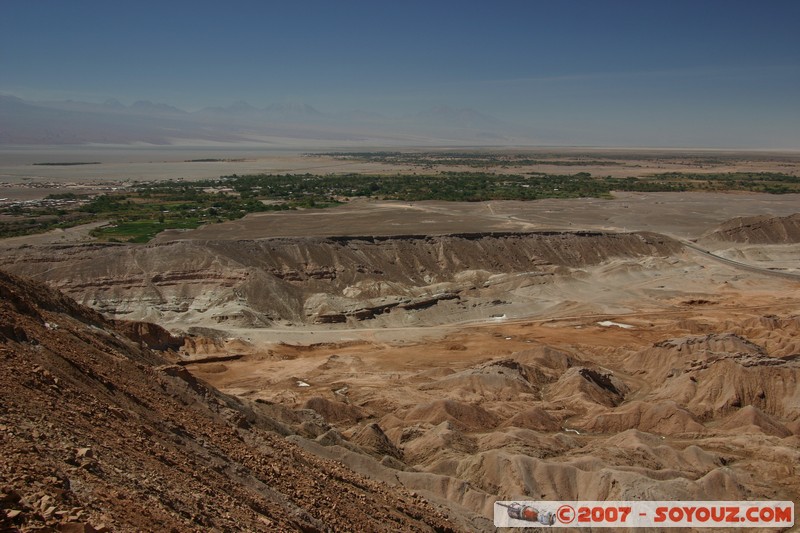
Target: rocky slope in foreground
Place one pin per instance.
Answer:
(99, 433)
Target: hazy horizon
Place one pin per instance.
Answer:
(713, 74)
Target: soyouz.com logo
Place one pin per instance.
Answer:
(659, 514)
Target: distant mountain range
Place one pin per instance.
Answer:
(71, 122)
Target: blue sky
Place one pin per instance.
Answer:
(703, 72)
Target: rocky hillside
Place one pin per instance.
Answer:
(758, 230)
(98, 433)
(315, 280)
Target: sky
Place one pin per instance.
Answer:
(605, 72)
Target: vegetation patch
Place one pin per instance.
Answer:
(142, 210)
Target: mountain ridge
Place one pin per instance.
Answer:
(111, 122)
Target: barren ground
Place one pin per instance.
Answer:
(680, 215)
(581, 361)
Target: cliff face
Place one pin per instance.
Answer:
(256, 283)
(98, 432)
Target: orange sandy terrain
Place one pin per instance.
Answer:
(696, 402)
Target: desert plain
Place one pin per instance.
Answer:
(643, 346)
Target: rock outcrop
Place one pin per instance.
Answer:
(316, 280)
(760, 229)
(98, 433)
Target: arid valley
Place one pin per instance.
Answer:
(421, 358)
(436, 267)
